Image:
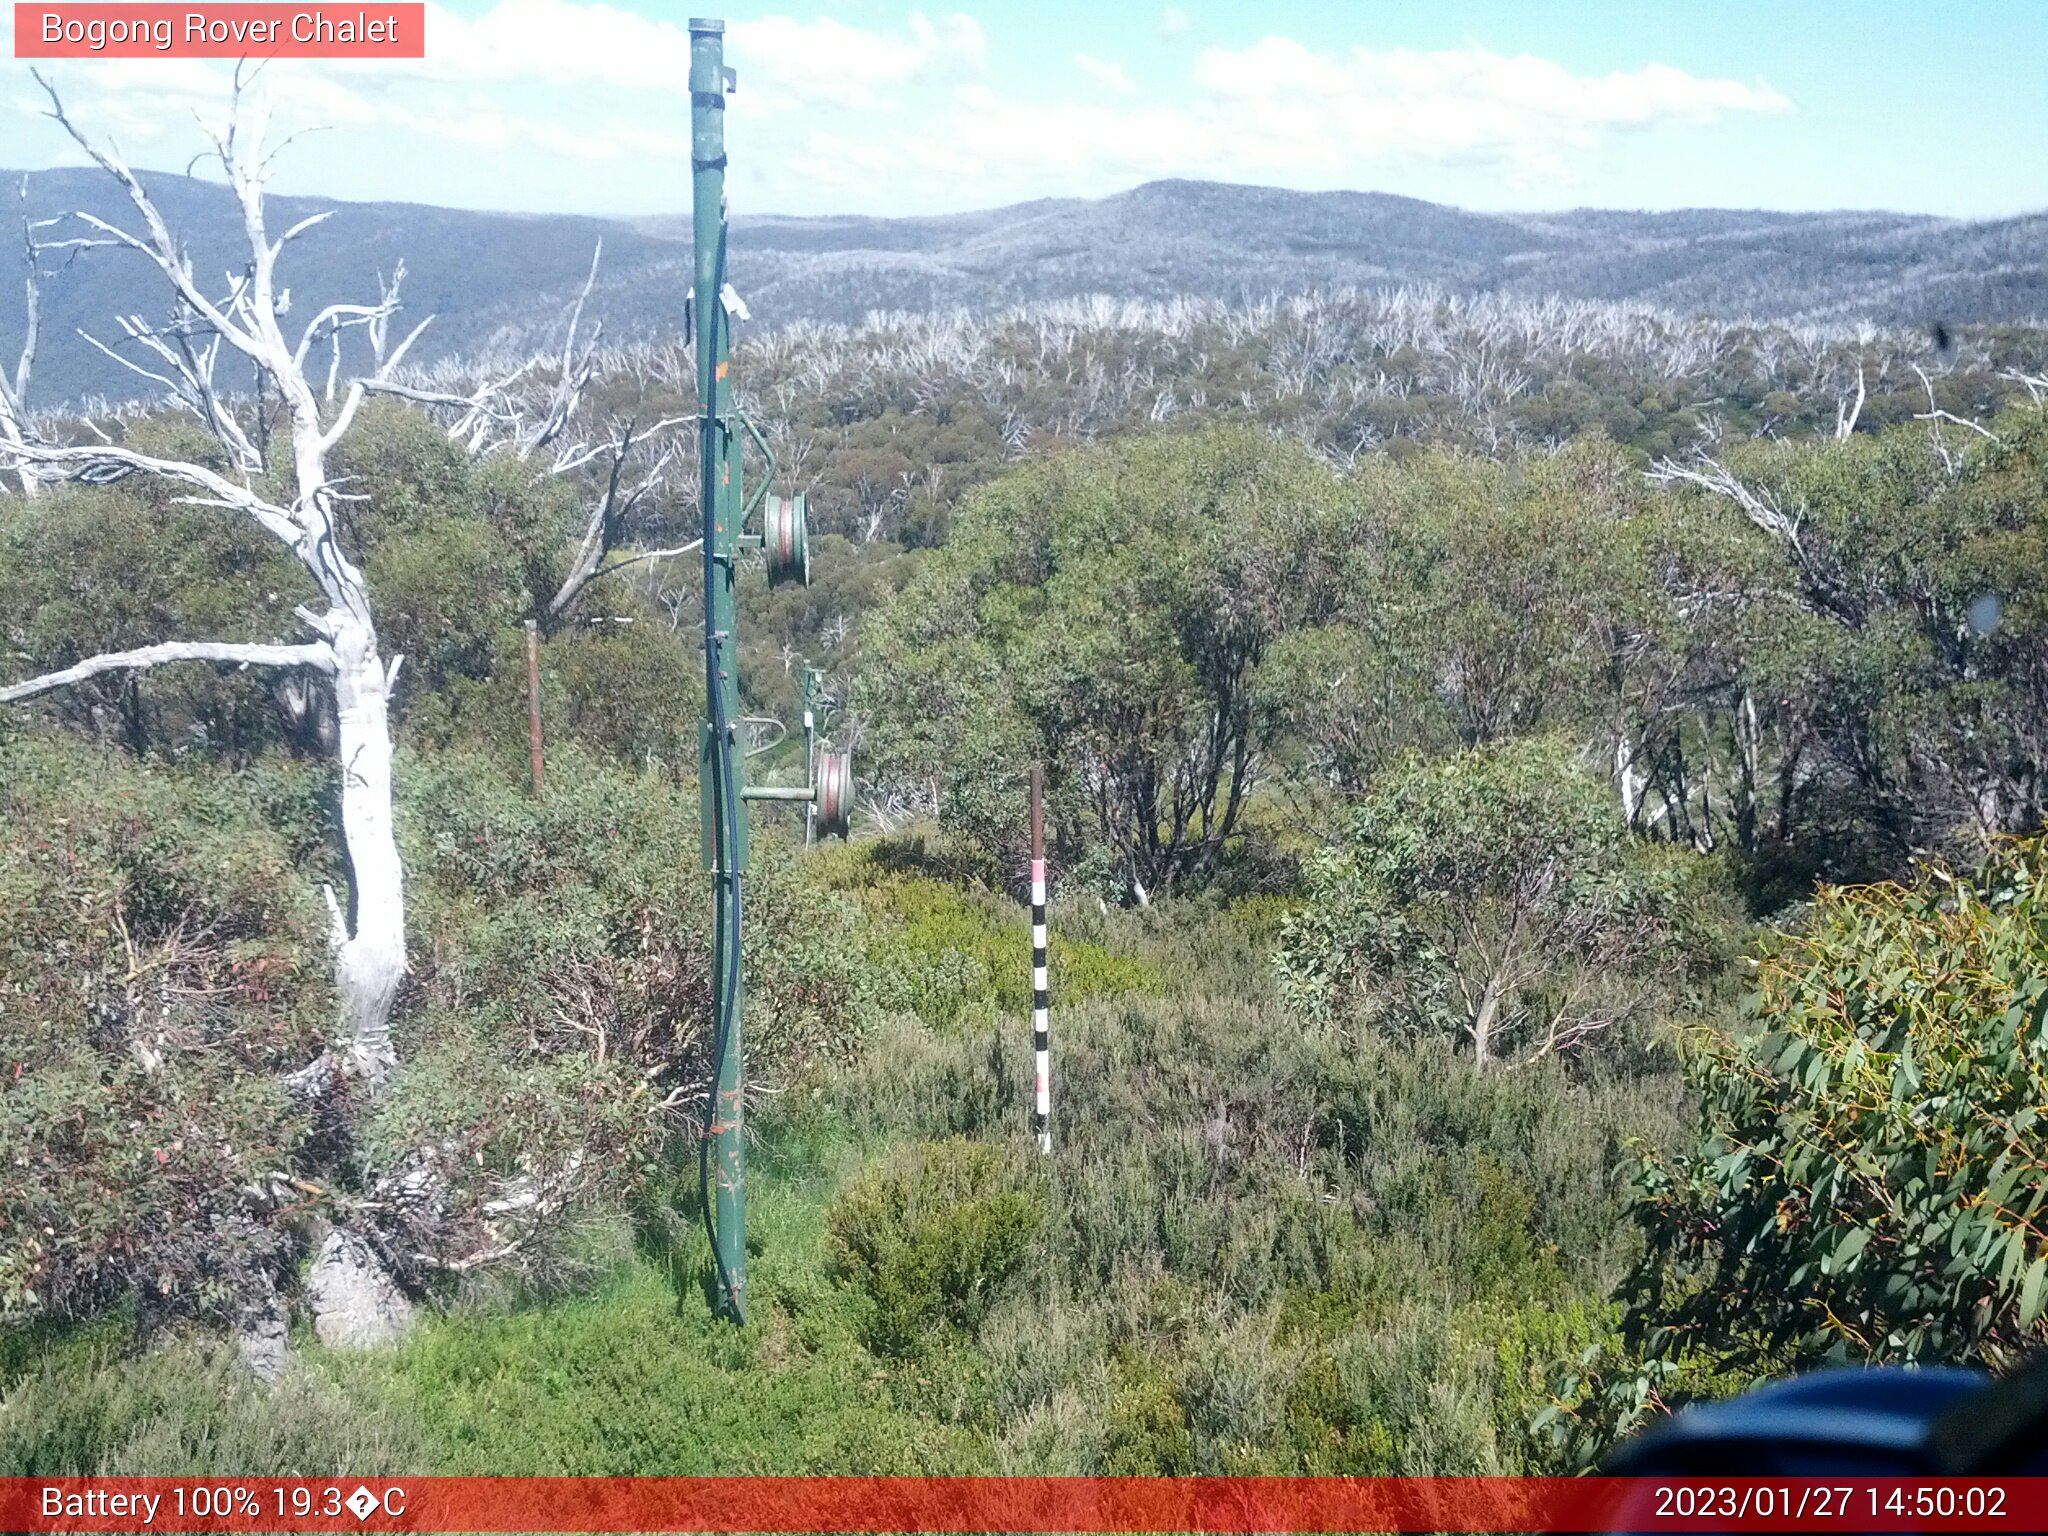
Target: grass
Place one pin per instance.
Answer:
(1261, 1248)
(639, 1379)
(185, 1407)
(635, 1377)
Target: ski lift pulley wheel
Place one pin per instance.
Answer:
(835, 794)
(786, 536)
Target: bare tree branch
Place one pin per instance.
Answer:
(647, 555)
(106, 463)
(615, 506)
(1709, 474)
(491, 417)
(2036, 385)
(159, 245)
(1934, 416)
(318, 657)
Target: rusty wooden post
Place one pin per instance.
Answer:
(533, 699)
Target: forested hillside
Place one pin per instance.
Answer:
(1233, 242)
(1544, 804)
(498, 279)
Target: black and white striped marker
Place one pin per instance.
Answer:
(1041, 1013)
(1041, 999)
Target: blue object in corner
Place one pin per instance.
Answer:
(1867, 1421)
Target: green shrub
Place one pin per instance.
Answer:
(557, 1020)
(1237, 1196)
(1867, 1180)
(1197, 947)
(1147, 1426)
(931, 1237)
(84, 570)
(627, 691)
(950, 955)
(189, 1408)
(446, 594)
(1494, 897)
(162, 962)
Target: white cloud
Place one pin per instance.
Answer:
(524, 39)
(1467, 103)
(1105, 73)
(827, 63)
(574, 81)
(537, 103)
(1278, 111)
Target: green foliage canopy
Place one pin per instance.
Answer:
(1492, 895)
(1107, 611)
(1867, 1181)
(932, 1237)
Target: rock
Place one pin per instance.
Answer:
(260, 1333)
(356, 1304)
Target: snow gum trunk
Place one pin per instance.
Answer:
(370, 961)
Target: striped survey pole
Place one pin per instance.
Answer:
(1041, 1002)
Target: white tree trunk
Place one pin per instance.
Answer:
(1628, 780)
(1485, 1019)
(11, 433)
(1749, 762)
(370, 960)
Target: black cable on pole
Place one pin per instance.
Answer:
(727, 919)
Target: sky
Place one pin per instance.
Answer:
(871, 107)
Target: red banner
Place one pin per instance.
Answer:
(221, 31)
(1021, 1504)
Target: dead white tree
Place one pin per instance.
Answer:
(1846, 413)
(369, 947)
(612, 509)
(1758, 503)
(501, 411)
(522, 412)
(2036, 385)
(1823, 585)
(1934, 416)
(15, 430)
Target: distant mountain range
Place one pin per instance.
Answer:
(503, 278)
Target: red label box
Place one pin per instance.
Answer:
(103, 30)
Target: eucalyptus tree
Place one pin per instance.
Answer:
(1863, 1183)
(1895, 626)
(1108, 610)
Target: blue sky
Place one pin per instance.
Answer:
(1938, 106)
